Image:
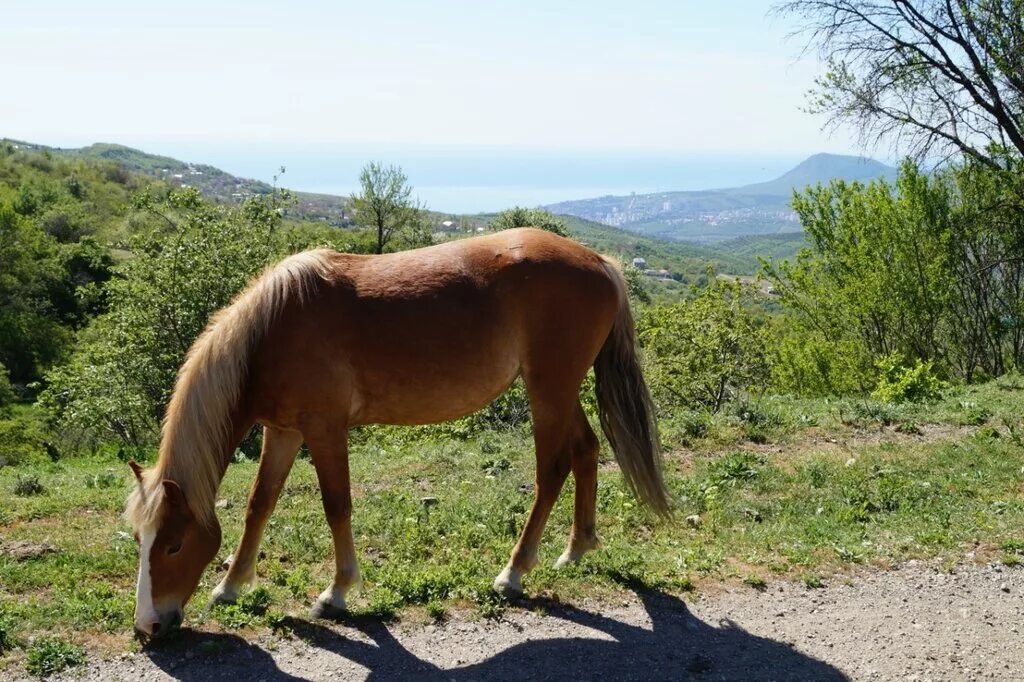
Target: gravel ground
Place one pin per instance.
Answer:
(912, 623)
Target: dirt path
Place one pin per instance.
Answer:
(913, 623)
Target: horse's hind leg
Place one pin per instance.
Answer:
(279, 449)
(329, 451)
(584, 469)
(556, 435)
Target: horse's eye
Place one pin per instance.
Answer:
(175, 549)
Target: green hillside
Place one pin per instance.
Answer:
(213, 182)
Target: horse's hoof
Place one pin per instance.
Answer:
(222, 595)
(327, 611)
(509, 583)
(566, 559)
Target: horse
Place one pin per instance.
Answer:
(326, 341)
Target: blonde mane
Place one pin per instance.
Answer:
(194, 447)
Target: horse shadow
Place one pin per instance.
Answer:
(677, 646)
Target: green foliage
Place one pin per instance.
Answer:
(118, 381)
(51, 655)
(7, 638)
(529, 217)
(898, 383)
(28, 485)
(7, 395)
(928, 270)
(249, 610)
(703, 352)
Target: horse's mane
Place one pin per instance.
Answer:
(194, 447)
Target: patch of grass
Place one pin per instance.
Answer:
(51, 655)
(1011, 560)
(247, 611)
(812, 581)
(801, 513)
(755, 581)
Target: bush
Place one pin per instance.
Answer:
(50, 655)
(28, 485)
(22, 439)
(701, 353)
(529, 217)
(898, 383)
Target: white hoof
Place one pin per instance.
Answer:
(509, 582)
(224, 594)
(568, 557)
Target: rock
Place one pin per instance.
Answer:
(1004, 587)
(223, 503)
(428, 501)
(693, 520)
(21, 550)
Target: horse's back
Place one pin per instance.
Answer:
(435, 333)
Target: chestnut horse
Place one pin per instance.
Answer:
(325, 341)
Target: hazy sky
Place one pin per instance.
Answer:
(642, 75)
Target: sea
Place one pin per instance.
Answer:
(480, 180)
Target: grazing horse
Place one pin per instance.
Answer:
(325, 341)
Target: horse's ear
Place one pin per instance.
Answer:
(175, 497)
(136, 469)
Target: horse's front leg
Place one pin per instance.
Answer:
(329, 450)
(279, 449)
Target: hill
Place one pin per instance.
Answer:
(213, 182)
(723, 214)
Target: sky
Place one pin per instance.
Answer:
(642, 76)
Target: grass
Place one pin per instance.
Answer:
(51, 655)
(817, 486)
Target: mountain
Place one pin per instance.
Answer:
(821, 168)
(723, 214)
(212, 182)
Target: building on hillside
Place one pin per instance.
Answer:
(640, 263)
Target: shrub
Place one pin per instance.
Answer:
(28, 485)
(898, 383)
(50, 655)
(529, 217)
(704, 352)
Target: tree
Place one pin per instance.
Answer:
(529, 217)
(385, 205)
(940, 77)
(930, 270)
(118, 381)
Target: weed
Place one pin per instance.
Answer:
(247, 611)
(755, 581)
(908, 427)
(436, 610)
(107, 479)
(735, 469)
(28, 485)
(7, 638)
(1011, 560)
(50, 655)
(813, 582)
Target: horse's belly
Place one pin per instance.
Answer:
(432, 390)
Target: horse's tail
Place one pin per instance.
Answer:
(626, 408)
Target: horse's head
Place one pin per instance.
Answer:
(174, 548)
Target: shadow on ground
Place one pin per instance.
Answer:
(679, 646)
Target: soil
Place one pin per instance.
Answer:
(916, 622)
